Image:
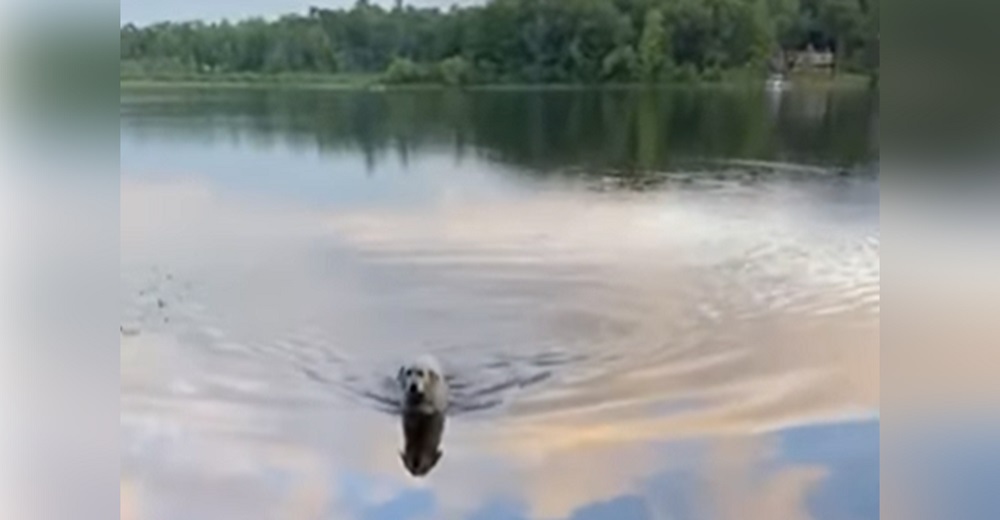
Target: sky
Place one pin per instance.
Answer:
(142, 12)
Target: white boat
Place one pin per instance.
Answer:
(776, 83)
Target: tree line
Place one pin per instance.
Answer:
(516, 41)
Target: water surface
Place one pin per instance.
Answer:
(654, 304)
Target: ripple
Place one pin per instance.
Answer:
(679, 303)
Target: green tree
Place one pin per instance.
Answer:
(842, 20)
(456, 70)
(513, 40)
(405, 70)
(621, 64)
(785, 22)
(652, 46)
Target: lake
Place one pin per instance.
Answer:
(651, 303)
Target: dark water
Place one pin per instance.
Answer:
(651, 304)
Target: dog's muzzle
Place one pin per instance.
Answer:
(413, 395)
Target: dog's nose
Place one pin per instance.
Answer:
(414, 389)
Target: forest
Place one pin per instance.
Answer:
(516, 41)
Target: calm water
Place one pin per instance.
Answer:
(654, 304)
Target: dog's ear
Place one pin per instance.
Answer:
(399, 375)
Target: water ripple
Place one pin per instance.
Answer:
(688, 302)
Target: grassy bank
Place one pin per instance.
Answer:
(249, 80)
(376, 81)
(825, 80)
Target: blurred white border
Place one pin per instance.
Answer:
(58, 223)
(7, 211)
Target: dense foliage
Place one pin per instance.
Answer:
(538, 41)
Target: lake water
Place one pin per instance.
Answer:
(652, 304)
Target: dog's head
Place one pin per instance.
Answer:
(416, 381)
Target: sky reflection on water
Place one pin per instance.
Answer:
(700, 351)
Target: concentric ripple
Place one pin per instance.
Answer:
(748, 297)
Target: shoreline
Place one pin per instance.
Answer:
(373, 83)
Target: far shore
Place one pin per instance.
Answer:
(375, 83)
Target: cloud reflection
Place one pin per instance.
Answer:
(217, 424)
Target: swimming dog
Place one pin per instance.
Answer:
(424, 400)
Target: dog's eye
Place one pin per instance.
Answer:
(420, 373)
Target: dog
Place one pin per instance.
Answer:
(424, 400)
